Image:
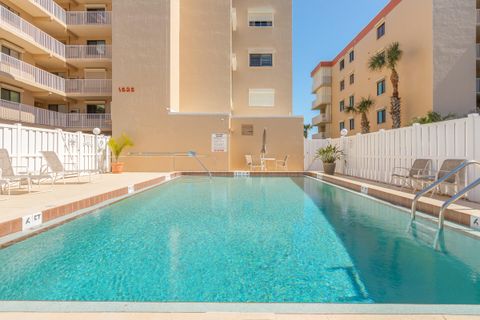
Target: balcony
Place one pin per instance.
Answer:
(322, 118)
(323, 99)
(88, 87)
(321, 81)
(98, 23)
(321, 135)
(13, 71)
(17, 112)
(19, 31)
(89, 55)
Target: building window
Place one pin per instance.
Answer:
(261, 60)
(261, 97)
(342, 125)
(342, 106)
(342, 85)
(95, 108)
(352, 78)
(380, 87)
(381, 31)
(342, 64)
(351, 56)
(260, 19)
(381, 116)
(352, 124)
(10, 52)
(96, 48)
(53, 107)
(351, 101)
(10, 95)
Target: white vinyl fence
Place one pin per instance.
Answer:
(75, 150)
(373, 156)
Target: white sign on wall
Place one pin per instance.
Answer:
(219, 142)
(475, 222)
(31, 221)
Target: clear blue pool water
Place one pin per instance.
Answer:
(242, 240)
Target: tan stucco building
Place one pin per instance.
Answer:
(176, 75)
(437, 70)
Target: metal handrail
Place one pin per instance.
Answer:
(437, 183)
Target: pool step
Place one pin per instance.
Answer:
(423, 232)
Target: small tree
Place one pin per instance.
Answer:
(432, 117)
(306, 130)
(118, 145)
(362, 108)
(389, 59)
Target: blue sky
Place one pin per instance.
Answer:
(321, 29)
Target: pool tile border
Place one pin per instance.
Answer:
(91, 204)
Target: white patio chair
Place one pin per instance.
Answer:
(283, 164)
(252, 165)
(56, 169)
(407, 176)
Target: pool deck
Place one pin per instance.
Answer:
(219, 316)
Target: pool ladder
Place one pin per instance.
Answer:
(446, 204)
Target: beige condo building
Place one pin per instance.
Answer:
(176, 75)
(437, 71)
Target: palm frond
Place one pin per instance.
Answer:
(365, 104)
(393, 55)
(377, 61)
(350, 109)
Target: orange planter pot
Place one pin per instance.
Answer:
(117, 167)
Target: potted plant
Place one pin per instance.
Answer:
(328, 155)
(117, 146)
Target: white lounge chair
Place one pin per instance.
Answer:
(252, 165)
(56, 169)
(10, 177)
(456, 181)
(283, 164)
(407, 176)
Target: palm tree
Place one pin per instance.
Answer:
(362, 107)
(389, 59)
(306, 130)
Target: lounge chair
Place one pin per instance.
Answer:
(420, 168)
(252, 165)
(456, 181)
(9, 176)
(283, 164)
(56, 170)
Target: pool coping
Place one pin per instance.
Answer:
(11, 231)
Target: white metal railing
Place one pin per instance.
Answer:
(18, 112)
(29, 32)
(89, 52)
(53, 8)
(321, 118)
(28, 73)
(88, 86)
(320, 81)
(89, 17)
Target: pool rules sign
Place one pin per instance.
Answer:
(219, 142)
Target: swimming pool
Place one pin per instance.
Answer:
(243, 240)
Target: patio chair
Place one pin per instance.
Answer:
(456, 181)
(56, 169)
(420, 168)
(283, 164)
(8, 175)
(252, 165)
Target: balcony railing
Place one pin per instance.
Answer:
(53, 8)
(30, 74)
(18, 112)
(94, 87)
(89, 17)
(89, 52)
(320, 135)
(322, 99)
(29, 32)
(321, 118)
(320, 81)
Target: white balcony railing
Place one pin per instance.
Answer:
(95, 87)
(27, 73)
(89, 52)
(89, 17)
(321, 118)
(320, 81)
(18, 112)
(322, 99)
(53, 8)
(28, 31)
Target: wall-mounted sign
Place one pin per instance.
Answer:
(219, 142)
(30, 221)
(131, 189)
(475, 222)
(247, 129)
(126, 89)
